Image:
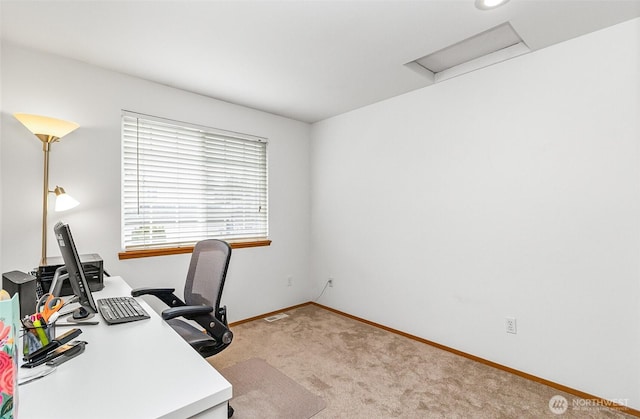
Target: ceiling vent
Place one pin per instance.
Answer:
(489, 47)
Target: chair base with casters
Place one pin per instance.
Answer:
(202, 294)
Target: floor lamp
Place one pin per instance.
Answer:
(48, 130)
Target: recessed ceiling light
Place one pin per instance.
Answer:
(489, 4)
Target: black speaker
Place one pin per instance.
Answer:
(23, 284)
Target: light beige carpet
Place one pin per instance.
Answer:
(261, 391)
(361, 371)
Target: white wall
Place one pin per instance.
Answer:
(510, 191)
(87, 164)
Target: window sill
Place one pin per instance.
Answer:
(145, 253)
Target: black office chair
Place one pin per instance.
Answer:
(202, 294)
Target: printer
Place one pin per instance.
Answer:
(93, 268)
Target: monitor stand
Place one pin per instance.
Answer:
(82, 313)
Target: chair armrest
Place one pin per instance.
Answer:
(151, 291)
(188, 312)
(166, 295)
(202, 315)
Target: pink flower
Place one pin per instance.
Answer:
(7, 373)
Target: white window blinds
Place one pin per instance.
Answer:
(184, 183)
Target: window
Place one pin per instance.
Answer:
(183, 183)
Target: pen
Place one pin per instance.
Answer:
(42, 373)
(41, 334)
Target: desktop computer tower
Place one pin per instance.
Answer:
(25, 286)
(93, 268)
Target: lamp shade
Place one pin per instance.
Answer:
(63, 200)
(44, 125)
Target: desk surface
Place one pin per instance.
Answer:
(135, 370)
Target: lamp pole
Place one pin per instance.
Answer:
(46, 147)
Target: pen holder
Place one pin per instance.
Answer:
(9, 332)
(35, 338)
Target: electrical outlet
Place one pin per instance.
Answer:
(511, 325)
(289, 281)
(330, 282)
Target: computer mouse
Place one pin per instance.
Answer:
(80, 313)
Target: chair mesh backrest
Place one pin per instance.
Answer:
(207, 272)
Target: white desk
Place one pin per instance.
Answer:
(134, 370)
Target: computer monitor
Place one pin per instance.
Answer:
(76, 273)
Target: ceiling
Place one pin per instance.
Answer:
(306, 60)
